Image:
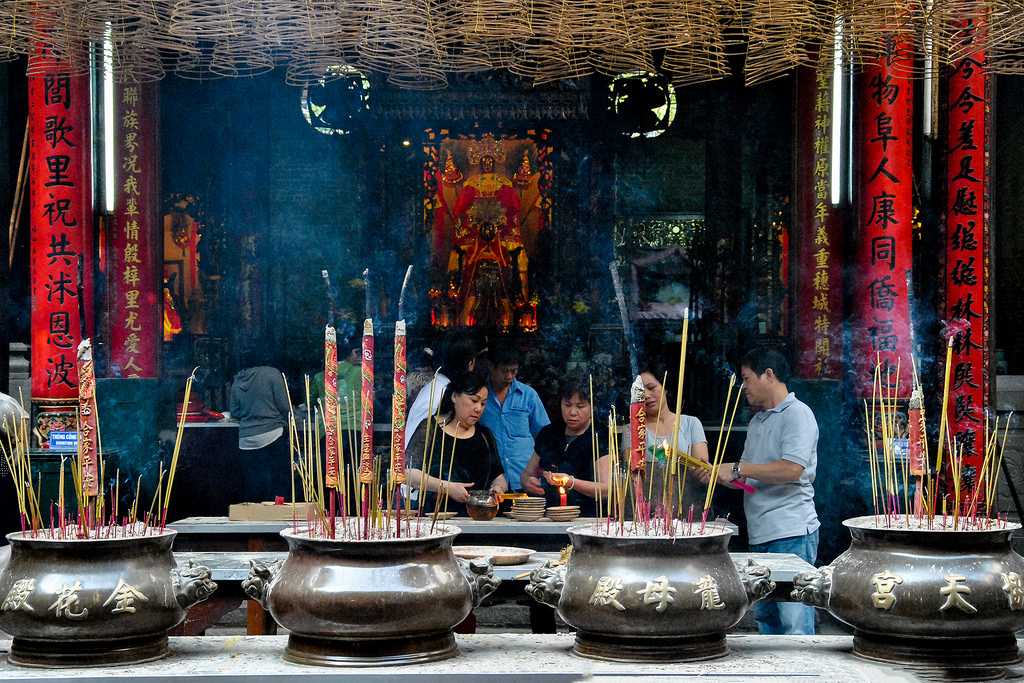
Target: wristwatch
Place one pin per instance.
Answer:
(736, 471)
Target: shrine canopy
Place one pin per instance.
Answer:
(419, 43)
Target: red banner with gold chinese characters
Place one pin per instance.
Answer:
(884, 249)
(819, 292)
(133, 285)
(60, 204)
(967, 266)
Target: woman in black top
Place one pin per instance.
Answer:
(564, 455)
(465, 454)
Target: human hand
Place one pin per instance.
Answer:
(533, 486)
(556, 478)
(458, 491)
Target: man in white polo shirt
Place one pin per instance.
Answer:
(779, 460)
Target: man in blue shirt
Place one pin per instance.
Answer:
(514, 413)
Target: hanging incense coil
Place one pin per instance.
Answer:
(207, 19)
(617, 41)
(782, 36)
(240, 59)
(137, 64)
(315, 65)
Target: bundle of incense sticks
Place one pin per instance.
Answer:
(626, 498)
(95, 515)
(893, 473)
(369, 497)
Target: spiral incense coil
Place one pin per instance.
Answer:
(782, 36)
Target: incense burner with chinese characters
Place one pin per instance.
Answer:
(353, 602)
(925, 596)
(97, 601)
(640, 598)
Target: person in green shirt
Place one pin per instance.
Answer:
(350, 383)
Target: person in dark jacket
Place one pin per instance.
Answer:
(259, 402)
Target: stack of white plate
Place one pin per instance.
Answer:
(563, 513)
(527, 509)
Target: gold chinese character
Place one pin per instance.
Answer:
(820, 302)
(1014, 589)
(707, 587)
(124, 597)
(131, 185)
(131, 206)
(131, 276)
(955, 593)
(130, 120)
(130, 95)
(821, 259)
(131, 368)
(67, 601)
(821, 347)
(131, 322)
(884, 583)
(131, 298)
(821, 280)
(821, 237)
(131, 252)
(131, 229)
(131, 343)
(822, 325)
(17, 597)
(607, 593)
(130, 164)
(658, 592)
(820, 211)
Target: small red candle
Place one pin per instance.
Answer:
(562, 498)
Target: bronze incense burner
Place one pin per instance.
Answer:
(97, 601)
(636, 598)
(932, 598)
(370, 602)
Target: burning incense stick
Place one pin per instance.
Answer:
(366, 445)
(331, 419)
(398, 416)
(88, 456)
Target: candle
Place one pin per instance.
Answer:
(563, 498)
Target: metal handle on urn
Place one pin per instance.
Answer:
(757, 580)
(192, 584)
(261, 576)
(546, 583)
(480, 575)
(813, 588)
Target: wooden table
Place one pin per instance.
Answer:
(229, 569)
(505, 656)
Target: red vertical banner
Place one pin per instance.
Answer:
(967, 243)
(818, 307)
(133, 287)
(60, 202)
(884, 251)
